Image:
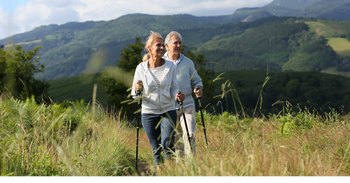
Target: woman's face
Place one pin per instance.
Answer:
(157, 48)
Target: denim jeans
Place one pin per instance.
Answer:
(160, 130)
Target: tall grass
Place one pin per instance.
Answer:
(53, 140)
(259, 149)
(294, 142)
(46, 140)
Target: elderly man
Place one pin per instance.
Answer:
(187, 79)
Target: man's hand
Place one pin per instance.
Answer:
(198, 91)
(180, 97)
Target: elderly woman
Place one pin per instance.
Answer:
(159, 89)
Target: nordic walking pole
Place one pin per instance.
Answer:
(200, 109)
(183, 113)
(138, 94)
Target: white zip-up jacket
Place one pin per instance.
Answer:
(156, 99)
(187, 78)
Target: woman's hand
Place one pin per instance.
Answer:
(180, 97)
(138, 86)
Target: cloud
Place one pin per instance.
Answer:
(37, 13)
(60, 3)
(5, 21)
(43, 12)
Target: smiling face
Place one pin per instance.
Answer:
(174, 48)
(157, 48)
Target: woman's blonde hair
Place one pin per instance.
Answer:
(150, 40)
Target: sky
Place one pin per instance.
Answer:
(18, 16)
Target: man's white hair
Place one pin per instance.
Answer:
(172, 33)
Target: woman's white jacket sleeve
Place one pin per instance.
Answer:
(137, 77)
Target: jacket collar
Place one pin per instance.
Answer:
(148, 73)
(179, 59)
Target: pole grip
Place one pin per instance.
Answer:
(180, 102)
(196, 90)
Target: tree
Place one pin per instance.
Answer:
(117, 80)
(17, 70)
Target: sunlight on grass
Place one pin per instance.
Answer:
(333, 70)
(322, 29)
(340, 45)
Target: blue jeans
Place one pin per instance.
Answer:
(160, 130)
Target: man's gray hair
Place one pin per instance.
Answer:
(172, 33)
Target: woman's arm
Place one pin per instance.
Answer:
(137, 78)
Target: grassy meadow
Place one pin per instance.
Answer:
(321, 29)
(340, 45)
(85, 140)
(331, 31)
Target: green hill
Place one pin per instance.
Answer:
(310, 89)
(277, 43)
(313, 90)
(335, 32)
(273, 42)
(65, 59)
(77, 88)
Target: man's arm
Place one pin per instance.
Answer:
(196, 82)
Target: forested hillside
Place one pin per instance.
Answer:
(310, 89)
(100, 46)
(280, 43)
(250, 38)
(328, 9)
(303, 90)
(285, 44)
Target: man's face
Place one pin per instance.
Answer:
(174, 48)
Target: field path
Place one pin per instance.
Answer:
(35, 41)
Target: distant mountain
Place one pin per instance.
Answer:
(292, 4)
(70, 55)
(75, 48)
(241, 15)
(328, 9)
(46, 30)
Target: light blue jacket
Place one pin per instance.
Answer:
(187, 78)
(156, 99)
